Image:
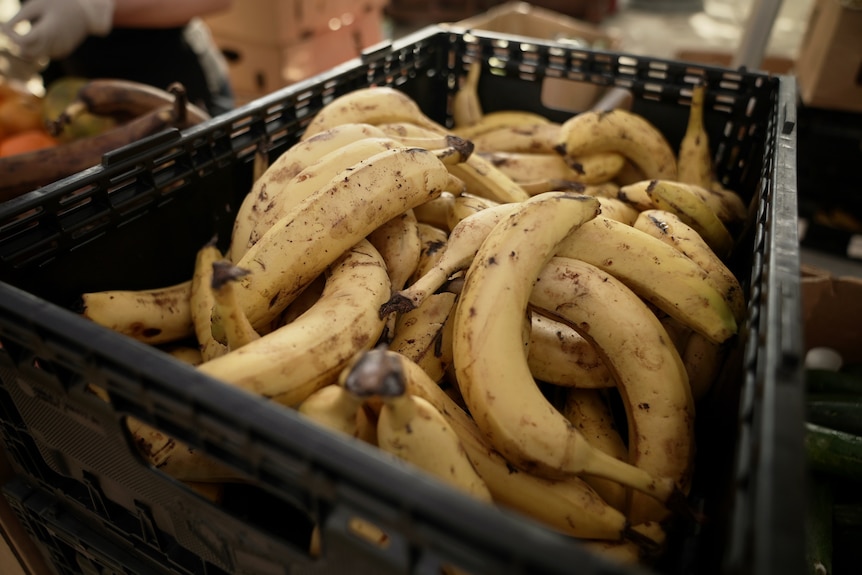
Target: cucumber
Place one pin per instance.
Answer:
(833, 452)
(842, 412)
(818, 528)
(828, 381)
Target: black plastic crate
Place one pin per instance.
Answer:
(137, 220)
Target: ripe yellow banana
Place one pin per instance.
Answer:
(616, 209)
(490, 360)
(462, 244)
(569, 506)
(499, 119)
(302, 356)
(234, 324)
(419, 334)
(716, 201)
(433, 242)
(370, 105)
(650, 375)
(560, 355)
(185, 353)
(695, 157)
(485, 180)
(657, 272)
(324, 225)
(621, 131)
(290, 163)
(533, 166)
(588, 410)
(694, 211)
(466, 106)
(733, 202)
(669, 228)
(333, 407)
(154, 316)
(540, 138)
(202, 302)
(398, 243)
(703, 360)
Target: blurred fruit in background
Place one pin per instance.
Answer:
(58, 95)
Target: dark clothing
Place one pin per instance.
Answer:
(157, 57)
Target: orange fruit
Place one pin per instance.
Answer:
(26, 141)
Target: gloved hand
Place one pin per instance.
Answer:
(57, 27)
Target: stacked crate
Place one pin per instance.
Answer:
(270, 44)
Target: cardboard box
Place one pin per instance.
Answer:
(832, 312)
(284, 22)
(829, 65)
(258, 68)
(525, 19)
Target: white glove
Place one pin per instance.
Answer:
(57, 27)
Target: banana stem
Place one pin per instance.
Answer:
(375, 374)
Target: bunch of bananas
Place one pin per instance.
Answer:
(474, 301)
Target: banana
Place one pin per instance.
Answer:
(633, 194)
(154, 316)
(589, 412)
(236, 328)
(464, 206)
(499, 119)
(370, 105)
(629, 174)
(485, 180)
(288, 164)
(649, 372)
(717, 202)
(185, 353)
(616, 209)
(621, 131)
(433, 242)
(303, 302)
(528, 167)
(128, 99)
(398, 243)
(462, 244)
(466, 106)
(293, 361)
(733, 202)
(410, 427)
(333, 407)
(596, 168)
(560, 355)
(490, 360)
(202, 302)
(435, 212)
(569, 505)
(695, 212)
(703, 360)
(540, 138)
(668, 228)
(419, 334)
(695, 158)
(332, 219)
(657, 272)
(261, 160)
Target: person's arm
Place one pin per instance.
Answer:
(163, 13)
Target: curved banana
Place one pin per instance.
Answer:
(694, 161)
(433, 241)
(370, 105)
(291, 362)
(463, 243)
(561, 356)
(733, 202)
(285, 168)
(616, 209)
(490, 361)
(236, 328)
(485, 180)
(694, 211)
(719, 203)
(703, 360)
(333, 407)
(419, 334)
(324, 225)
(621, 131)
(657, 272)
(569, 505)
(153, 316)
(398, 243)
(466, 107)
(435, 212)
(590, 413)
(650, 376)
(670, 229)
(540, 138)
(202, 302)
(499, 119)
(185, 353)
(533, 166)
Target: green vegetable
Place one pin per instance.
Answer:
(818, 543)
(842, 412)
(828, 381)
(833, 452)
